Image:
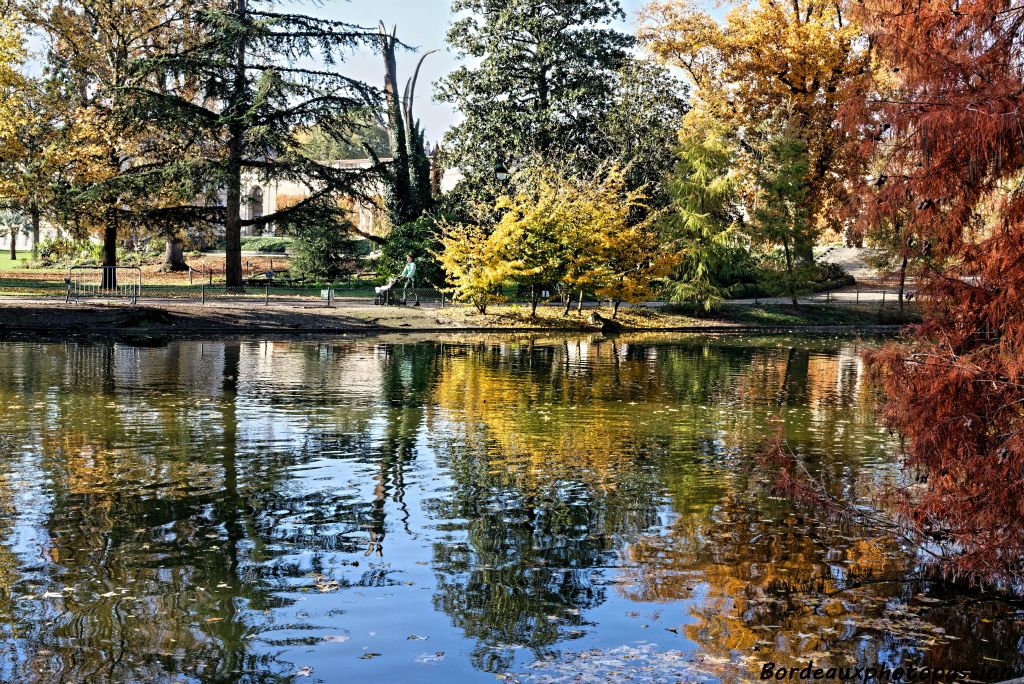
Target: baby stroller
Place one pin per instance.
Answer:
(383, 296)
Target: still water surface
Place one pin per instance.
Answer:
(450, 511)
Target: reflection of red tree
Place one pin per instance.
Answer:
(952, 140)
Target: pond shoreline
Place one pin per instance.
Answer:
(57, 320)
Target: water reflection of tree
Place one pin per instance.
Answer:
(763, 580)
(407, 379)
(550, 432)
(173, 474)
(151, 540)
(545, 497)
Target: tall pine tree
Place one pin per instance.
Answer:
(542, 81)
(253, 80)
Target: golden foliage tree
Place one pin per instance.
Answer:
(475, 274)
(115, 160)
(572, 234)
(12, 85)
(790, 63)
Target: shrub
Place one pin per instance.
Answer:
(419, 238)
(324, 250)
(267, 245)
(56, 251)
(155, 247)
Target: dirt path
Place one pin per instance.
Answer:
(47, 318)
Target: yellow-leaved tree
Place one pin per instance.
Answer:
(530, 237)
(579, 235)
(631, 257)
(475, 274)
(770, 67)
(559, 233)
(12, 86)
(12, 112)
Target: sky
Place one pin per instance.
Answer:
(423, 24)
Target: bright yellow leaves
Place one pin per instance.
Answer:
(559, 234)
(764, 57)
(771, 69)
(12, 87)
(473, 270)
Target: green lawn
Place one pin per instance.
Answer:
(6, 264)
(817, 314)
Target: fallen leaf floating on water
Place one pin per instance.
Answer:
(430, 657)
(326, 586)
(303, 671)
(336, 638)
(416, 637)
(368, 656)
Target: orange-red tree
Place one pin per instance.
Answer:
(949, 131)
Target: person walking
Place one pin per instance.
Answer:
(408, 277)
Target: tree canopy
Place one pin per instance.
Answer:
(540, 83)
(789, 63)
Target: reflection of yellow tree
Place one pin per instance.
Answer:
(9, 570)
(551, 422)
(592, 408)
(762, 591)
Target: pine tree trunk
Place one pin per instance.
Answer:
(568, 303)
(109, 281)
(533, 301)
(14, 243)
(789, 272)
(233, 199)
(174, 256)
(33, 212)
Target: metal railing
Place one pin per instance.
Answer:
(110, 282)
(208, 272)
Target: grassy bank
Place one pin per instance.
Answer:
(192, 319)
(811, 314)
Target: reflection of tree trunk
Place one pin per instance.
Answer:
(797, 370)
(230, 630)
(174, 256)
(108, 383)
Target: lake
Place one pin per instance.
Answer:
(454, 510)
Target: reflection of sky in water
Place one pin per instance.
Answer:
(446, 511)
